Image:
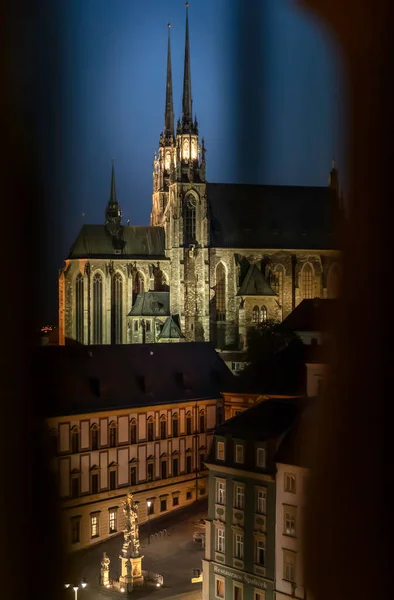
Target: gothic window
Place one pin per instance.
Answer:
(256, 315)
(263, 314)
(189, 220)
(133, 431)
(117, 309)
(138, 285)
(307, 281)
(220, 296)
(79, 308)
(97, 309)
(159, 281)
(279, 282)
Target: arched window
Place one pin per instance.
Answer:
(201, 419)
(94, 437)
(97, 309)
(263, 314)
(189, 220)
(163, 427)
(79, 308)
(151, 429)
(133, 431)
(74, 440)
(279, 282)
(333, 281)
(117, 309)
(307, 281)
(112, 435)
(188, 423)
(175, 425)
(159, 281)
(138, 284)
(220, 296)
(256, 315)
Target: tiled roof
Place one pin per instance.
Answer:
(151, 304)
(255, 284)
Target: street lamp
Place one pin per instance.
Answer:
(149, 504)
(76, 587)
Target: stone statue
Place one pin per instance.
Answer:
(105, 562)
(128, 568)
(131, 544)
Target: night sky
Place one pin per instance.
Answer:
(113, 56)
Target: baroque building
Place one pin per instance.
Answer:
(215, 260)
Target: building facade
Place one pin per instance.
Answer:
(113, 431)
(224, 256)
(239, 559)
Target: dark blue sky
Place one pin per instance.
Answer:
(113, 87)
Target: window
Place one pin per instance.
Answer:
(112, 480)
(175, 467)
(289, 565)
(148, 327)
(188, 423)
(202, 460)
(307, 281)
(175, 501)
(75, 530)
(290, 483)
(94, 526)
(188, 464)
(220, 539)
(75, 487)
(189, 220)
(238, 545)
(260, 457)
(117, 309)
(150, 471)
(188, 496)
(79, 308)
(112, 520)
(260, 552)
(94, 437)
(259, 595)
(289, 518)
(256, 315)
(74, 440)
(175, 431)
(239, 496)
(151, 508)
(220, 295)
(138, 285)
(95, 483)
(202, 422)
(261, 502)
(133, 431)
(150, 429)
(163, 504)
(163, 428)
(135, 325)
(219, 587)
(97, 309)
(238, 592)
(112, 435)
(220, 492)
(220, 450)
(133, 475)
(263, 314)
(278, 286)
(239, 454)
(164, 469)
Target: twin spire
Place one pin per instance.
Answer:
(187, 111)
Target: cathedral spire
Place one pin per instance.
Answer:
(169, 110)
(187, 115)
(113, 213)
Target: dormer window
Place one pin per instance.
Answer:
(261, 458)
(220, 450)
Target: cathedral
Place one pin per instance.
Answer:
(216, 259)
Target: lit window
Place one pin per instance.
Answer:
(220, 492)
(219, 587)
(220, 450)
(239, 496)
(289, 565)
(260, 457)
(220, 539)
(94, 526)
(238, 545)
(263, 314)
(117, 309)
(261, 502)
(290, 483)
(289, 520)
(239, 453)
(256, 315)
(260, 552)
(97, 309)
(307, 281)
(112, 521)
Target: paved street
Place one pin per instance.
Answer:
(174, 556)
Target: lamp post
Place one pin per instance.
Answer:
(149, 504)
(76, 587)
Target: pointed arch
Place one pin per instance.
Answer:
(159, 281)
(263, 314)
(307, 281)
(189, 219)
(117, 309)
(97, 308)
(334, 281)
(79, 308)
(256, 315)
(221, 289)
(138, 284)
(279, 280)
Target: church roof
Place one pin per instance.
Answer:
(263, 216)
(151, 304)
(82, 379)
(94, 241)
(255, 284)
(171, 329)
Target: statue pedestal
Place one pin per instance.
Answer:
(131, 574)
(104, 577)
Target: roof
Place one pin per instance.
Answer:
(151, 304)
(95, 241)
(265, 420)
(262, 216)
(80, 379)
(171, 329)
(295, 448)
(311, 315)
(255, 284)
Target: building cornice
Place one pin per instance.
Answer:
(240, 472)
